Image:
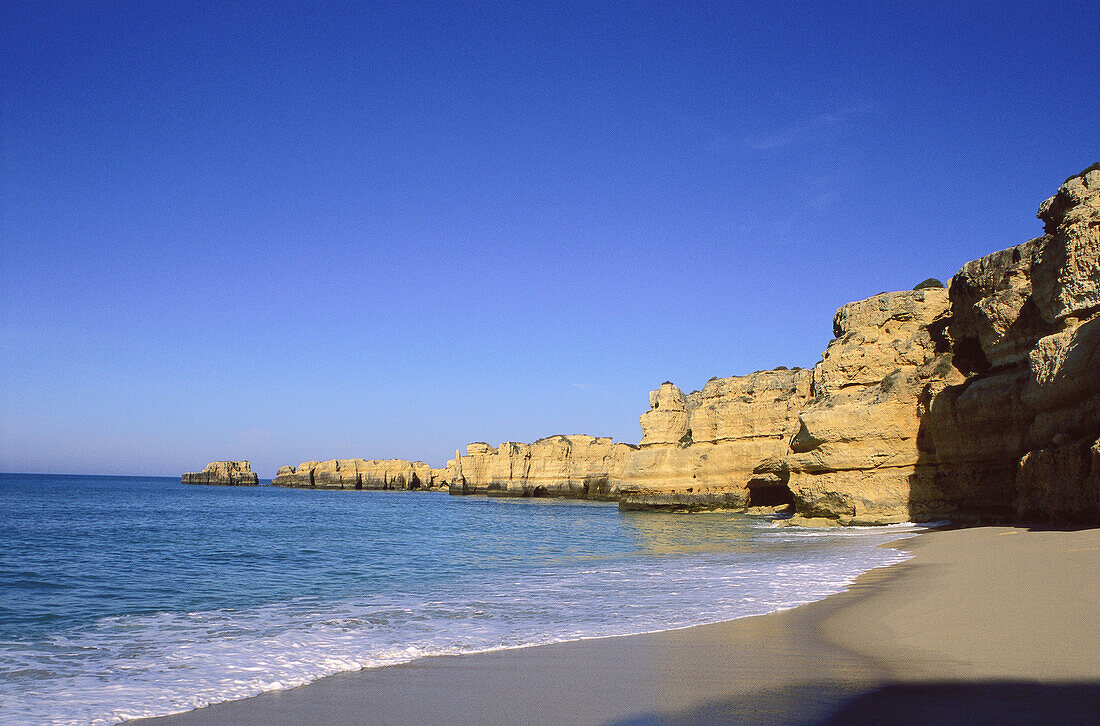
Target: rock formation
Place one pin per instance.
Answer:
(981, 405)
(224, 473)
(1019, 437)
(705, 455)
(976, 401)
(857, 447)
(559, 466)
(360, 474)
(697, 452)
(979, 401)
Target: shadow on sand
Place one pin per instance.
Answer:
(1000, 703)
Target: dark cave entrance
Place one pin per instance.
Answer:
(769, 494)
(539, 492)
(358, 481)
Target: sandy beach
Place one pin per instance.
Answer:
(982, 625)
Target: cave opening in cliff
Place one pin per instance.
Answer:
(770, 495)
(358, 481)
(539, 492)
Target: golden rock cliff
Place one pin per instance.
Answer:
(1019, 437)
(706, 456)
(978, 401)
(359, 474)
(698, 451)
(858, 444)
(561, 466)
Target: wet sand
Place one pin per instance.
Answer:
(986, 625)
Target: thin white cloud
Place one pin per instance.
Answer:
(816, 195)
(803, 131)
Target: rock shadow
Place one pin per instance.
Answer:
(995, 703)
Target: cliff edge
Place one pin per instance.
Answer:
(978, 401)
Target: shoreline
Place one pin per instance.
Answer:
(980, 621)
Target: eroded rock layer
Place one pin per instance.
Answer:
(698, 451)
(858, 444)
(559, 466)
(224, 473)
(709, 457)
(1019, 435)
(979, 401)
(360, 474)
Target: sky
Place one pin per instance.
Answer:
(295, 231)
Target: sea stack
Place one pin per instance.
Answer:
(224, 473)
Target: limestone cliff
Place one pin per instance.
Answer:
(1020, 436)
(697, 452)
(858, 446)
(706, 453)
(360, 474)
(561, 466)
(981, 404)
(224, 473)
(979, 401)
(976, 401)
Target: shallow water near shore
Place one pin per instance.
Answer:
(123, 597)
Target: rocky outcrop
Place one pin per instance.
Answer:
(984, 404)
(698, 451)
(667, 420)
(559, 466)
(224, 473)
(858, 443)
(707, 453)
(1018, 437)
(361, 474)
(979, 401)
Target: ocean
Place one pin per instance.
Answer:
(123, 597)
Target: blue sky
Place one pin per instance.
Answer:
(302, 231)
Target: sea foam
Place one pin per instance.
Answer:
(493, 576)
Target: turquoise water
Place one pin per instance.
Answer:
(123, 597)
